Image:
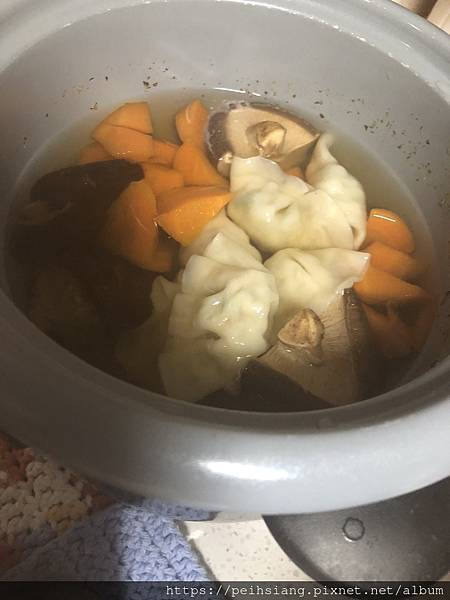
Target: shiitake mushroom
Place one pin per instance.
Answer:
(85, 301)
(67, 208)
(317, 362)
(333, 357)
(119, 289)
(264, 389)
(254, 129)
(79, 294)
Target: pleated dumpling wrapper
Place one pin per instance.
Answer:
(325, 173)
(208, 323)
(221, 316)
(280, 211)
(220, 224)
(313, 279)
(138, 349)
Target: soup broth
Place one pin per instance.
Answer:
(383, 190)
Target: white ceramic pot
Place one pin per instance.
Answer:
(355, 62)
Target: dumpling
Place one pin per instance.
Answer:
(281, 211)
(221, 317)
(190, 370)
(207, 324)
(219, 224)
(138, 350)
(325, 173)
(312, 279)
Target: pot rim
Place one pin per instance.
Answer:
(22, 22)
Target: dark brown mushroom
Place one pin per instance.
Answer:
(61, 307)
(255, 129)
(120, 290)
(264, 389)
(67, 208)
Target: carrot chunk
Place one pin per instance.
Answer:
(388, 259)
(130, 229)
(161, 178)
(133, 115)
(163, 152)
(191, 122)
(184, 212)
(195, 167)
(378, 287)
(389, 228)
(93, 153)
(121, 142)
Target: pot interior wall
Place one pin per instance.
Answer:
(335, 79)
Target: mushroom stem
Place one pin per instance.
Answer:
(304, 332)
(267, 137)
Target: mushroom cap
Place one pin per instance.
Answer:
(68, 207)
(252, 129)
(332, 357)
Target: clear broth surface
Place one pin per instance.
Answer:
(383, 188)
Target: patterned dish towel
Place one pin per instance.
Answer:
(56, 526)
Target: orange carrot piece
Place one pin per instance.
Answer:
(133, 115)
(161, 178)
(392, 335)
(389, 228)
(184, 212)
(378, 287)
(93, 153)
(164, 257)
(195, 167)
(164, 152)
(122, 142)
(295, 172)
(191, 123)
(388, 259)
(171, 200)
(130, 229)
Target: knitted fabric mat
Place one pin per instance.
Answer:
(56, 526)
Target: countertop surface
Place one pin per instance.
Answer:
(238, 547)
